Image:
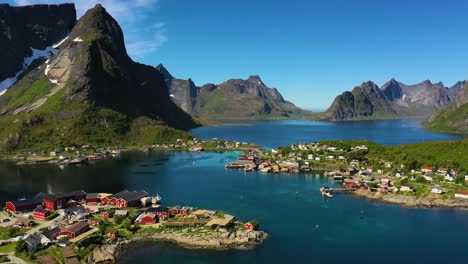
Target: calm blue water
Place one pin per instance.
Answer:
(287, 206)
(272, 134)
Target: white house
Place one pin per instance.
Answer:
(461, 194)
(466, 177)
(437, 190)
(428, 177)
(406, 188)
(36, 241)
(317, 158)
(449, 177)
(310, 157)
(341, 157)
(400, 174)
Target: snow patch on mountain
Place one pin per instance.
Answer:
(27, 61)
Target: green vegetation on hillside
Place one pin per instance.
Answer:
(451, 154)
(450, 119)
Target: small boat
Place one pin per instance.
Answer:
(326, 192)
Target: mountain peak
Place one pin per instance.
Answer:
(165, 73)
(255, 79)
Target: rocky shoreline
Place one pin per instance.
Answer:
(185, 238)
(431, 201)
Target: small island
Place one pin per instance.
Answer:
(100, 227)
(418, 175)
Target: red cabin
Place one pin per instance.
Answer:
(75, 230)
(147, 219)
(249, 226)
(160, 212)
(40, 213)
(53, 202)
(23, 205)
(112, 234)
(92, 198)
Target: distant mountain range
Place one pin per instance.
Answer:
(233, 99)
(393, 100)
(88, 91)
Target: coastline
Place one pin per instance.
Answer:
(431, 201)
(239, 240)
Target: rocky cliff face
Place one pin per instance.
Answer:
(93, 87)
(182, 92)
(233, 99)
(393, 100)
(25, 28)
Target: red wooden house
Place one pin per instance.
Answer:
(175, 210)
(111, 233)
(147, 219)
(106, 214)
(53, 202)
(23, 205)
(95, 222)
(40, 213)
(79, 196)
(92, 198)
(112, 199)
(160, 212)
(131, 199)
(75, 230)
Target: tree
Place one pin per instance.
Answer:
(20, 248)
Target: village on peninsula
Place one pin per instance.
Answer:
(77, 227)
(347, 163)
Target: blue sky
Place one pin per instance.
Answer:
(310, 50)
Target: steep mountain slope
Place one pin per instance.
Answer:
(454, 117)
(365, 101)
(26, 32)
(393, 100)
(233, 99)
(182, 92)
(90, 92)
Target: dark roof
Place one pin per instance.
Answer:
(29, 202)
(158, 210)
(76, 227)
(117, 195)
(73, 260)
(92, 195)
(40, 195)
(68, 252)
(52, 232)
(40, 210)
(46, 259)
(50, 197)
(133, 196)
(75, 209)
(73, 194)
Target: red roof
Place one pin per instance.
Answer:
(443, 169)
(461, 192)
(427, 167)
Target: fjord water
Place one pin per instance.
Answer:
(271, 134)
(288, 206)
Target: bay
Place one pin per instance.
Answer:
(288, 207)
